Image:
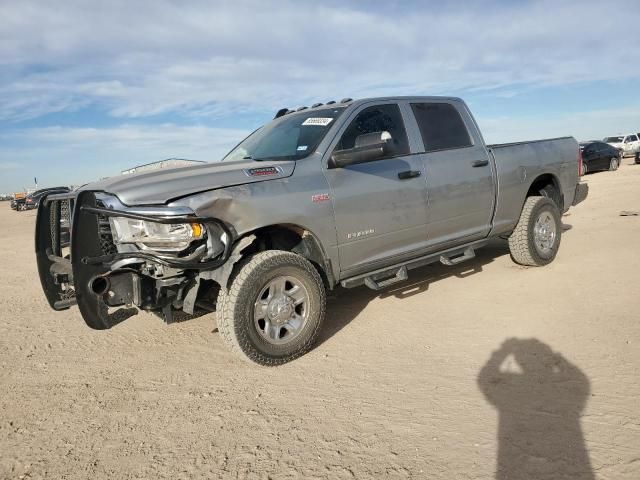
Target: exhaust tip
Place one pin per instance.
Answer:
(100, 285)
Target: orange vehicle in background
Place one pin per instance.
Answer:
(18, 201)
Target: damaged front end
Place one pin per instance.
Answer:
(112, 260)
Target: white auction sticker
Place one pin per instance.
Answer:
(321, 122)
(302, 148)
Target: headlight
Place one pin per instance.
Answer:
(155, 236)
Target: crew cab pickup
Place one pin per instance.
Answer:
(627, 144)
(346, 193)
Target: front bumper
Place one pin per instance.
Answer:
(582, 191)
(79, 264)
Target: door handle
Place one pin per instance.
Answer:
(480, 163)
(409, 174)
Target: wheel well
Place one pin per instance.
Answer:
(296, 239)
(547, 185)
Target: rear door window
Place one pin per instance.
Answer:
(441, 126)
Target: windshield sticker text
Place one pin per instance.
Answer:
(321, 122)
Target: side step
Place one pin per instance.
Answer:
(383, 277)
(451, 260)
(400, 276)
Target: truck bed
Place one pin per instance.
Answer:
(520, 162)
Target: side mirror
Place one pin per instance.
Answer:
(367, 147)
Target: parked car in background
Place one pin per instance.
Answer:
(628, 144)
(598, 156)
(637, 159)
(18, 200)
(33, 199)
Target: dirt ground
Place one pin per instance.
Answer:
(461, 371)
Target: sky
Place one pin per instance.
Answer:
(90, 88)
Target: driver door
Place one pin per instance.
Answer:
(631, 144)
(380, 206)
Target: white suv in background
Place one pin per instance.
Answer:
(627, 144)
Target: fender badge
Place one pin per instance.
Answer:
(320, 197)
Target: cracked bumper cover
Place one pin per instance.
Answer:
(71, 254)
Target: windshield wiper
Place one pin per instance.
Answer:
(272, 159)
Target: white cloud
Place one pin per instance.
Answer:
(210, 58)
(4, 166)
(585, 125)
(58, 155)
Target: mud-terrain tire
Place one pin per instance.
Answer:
(536, 238)
(270, 284)
(614, 164)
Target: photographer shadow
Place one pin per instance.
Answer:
(539, 396)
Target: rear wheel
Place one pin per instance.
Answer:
(613, 164)
(536, 238)
(585, 169)
(273, 309)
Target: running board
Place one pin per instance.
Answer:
(451, 260)
(384, 277)
(400, 276)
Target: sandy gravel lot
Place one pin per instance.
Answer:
(461, 371)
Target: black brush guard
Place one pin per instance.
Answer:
(75, 253)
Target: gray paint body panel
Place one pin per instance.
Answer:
(161, 186)
(451, 203)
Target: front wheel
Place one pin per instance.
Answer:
(274, 308)
(536, 238)
(613, 164)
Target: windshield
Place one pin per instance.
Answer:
(613, 139)
(291, 137)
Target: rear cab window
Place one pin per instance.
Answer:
(441, 126)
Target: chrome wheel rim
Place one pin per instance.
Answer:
(614, 164)
(282, 310)
(544, 233)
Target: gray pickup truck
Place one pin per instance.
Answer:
(350, 193)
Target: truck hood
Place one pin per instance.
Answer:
(616, 145)
(164, 185)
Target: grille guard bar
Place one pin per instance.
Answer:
(66, 279)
